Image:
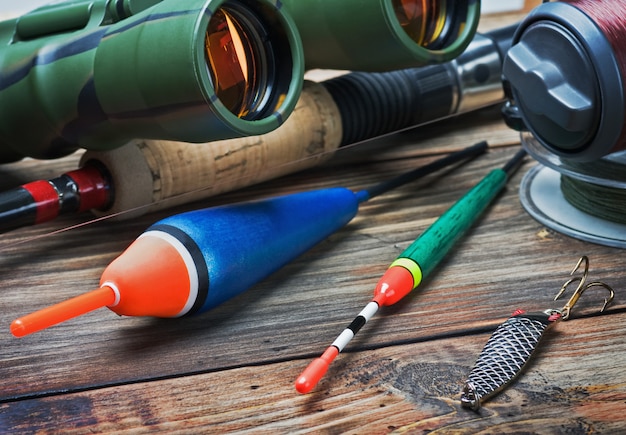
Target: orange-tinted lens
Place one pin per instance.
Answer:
(424, 21)
(231, 59)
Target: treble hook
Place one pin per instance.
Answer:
(565, 311)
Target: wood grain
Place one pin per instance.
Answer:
(232, 369)
(409, 388)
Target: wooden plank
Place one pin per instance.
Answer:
(302, 307)
(573, 385)
(232, 369)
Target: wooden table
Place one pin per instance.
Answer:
(232, 369)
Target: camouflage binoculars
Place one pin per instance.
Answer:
(95, 74)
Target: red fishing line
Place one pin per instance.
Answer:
(610, 17)
(566, 70)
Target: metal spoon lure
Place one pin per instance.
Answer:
(513, 343)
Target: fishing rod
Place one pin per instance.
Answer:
(416, 262)
(191, 262)
(151, 175)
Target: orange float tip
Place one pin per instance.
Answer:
(156, 276)
(396, 283)
(311, 375)
(151, 278)
(63, 311)
(309, 378)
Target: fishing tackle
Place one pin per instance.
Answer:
(513, 343)
(191, 262)
(416, 262)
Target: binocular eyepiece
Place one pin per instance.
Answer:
(96, 73)
(383, 35)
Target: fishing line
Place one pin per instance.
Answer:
(586, 201)
(601, 201)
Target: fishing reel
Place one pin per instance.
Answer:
(565, 78)
(96, 73)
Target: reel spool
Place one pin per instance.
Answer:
(566, 79)
(542, 196)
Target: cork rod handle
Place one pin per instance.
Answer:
(160, 174)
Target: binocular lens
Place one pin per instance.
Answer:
(239, 62)
(426, 22)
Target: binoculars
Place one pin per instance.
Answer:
(383, 35)
(96, 74)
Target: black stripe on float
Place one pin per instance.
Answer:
(357, 324)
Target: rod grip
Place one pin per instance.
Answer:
(373, 104)
(155, 175)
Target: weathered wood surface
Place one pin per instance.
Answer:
(233, 369)
(408, 388)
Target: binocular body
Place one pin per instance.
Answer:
(383, 35)
(96, 73)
